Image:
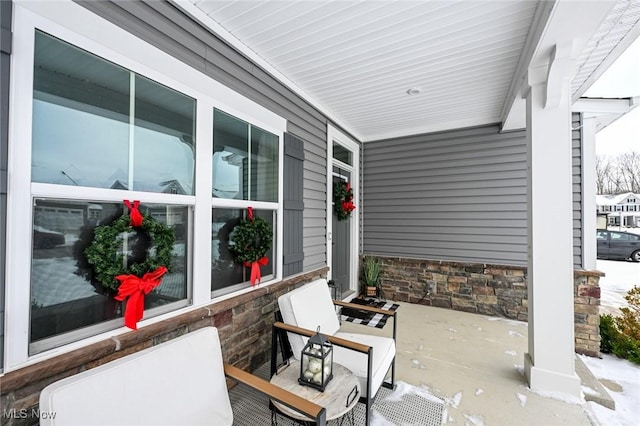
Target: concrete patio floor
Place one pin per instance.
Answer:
(475, 363)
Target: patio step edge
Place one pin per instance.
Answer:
(588, 380)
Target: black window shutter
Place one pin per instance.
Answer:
(293, 252)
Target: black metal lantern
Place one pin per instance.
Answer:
(316, 362)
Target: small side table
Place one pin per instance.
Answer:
(339, 397)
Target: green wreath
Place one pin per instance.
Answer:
(343, 200)
(250, 240)
(102, 253)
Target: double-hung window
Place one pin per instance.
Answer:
(104, 118)
(245, 166)
(98, 125)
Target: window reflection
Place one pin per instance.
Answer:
(245, 160)
(64, 297)
(264, 165)
(82, 124)
(163, 140)
(226, 274)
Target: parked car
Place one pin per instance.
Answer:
(618, 245)
(46, 238)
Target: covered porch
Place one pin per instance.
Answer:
(472, 363)
(468, 148)
(455, 125)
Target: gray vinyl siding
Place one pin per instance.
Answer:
(5, 52)
(456, 195)
(576, 158)
(165, 26)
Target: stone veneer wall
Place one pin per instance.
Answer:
(243, 322)
(495, 290)
(586, 307)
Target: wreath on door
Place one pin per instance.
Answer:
(343, 200)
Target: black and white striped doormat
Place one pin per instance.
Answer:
(368, 318)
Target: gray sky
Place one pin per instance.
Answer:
(621, 80)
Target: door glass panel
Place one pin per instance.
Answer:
(341, 239)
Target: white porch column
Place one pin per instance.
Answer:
(549, 364)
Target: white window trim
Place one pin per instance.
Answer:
(335, 135)
(77, 25)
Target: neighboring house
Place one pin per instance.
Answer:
(483, 180)
(172, 187)
(621, 209)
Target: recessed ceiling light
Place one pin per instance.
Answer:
(414, 91)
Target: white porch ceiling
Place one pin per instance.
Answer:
(357, 59)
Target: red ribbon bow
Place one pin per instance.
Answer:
(135, 288)
(134, 213)
(255, 269)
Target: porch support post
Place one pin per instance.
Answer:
(549, 364)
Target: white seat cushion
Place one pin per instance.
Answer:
(384, 350)
(179, 382)
(310, 307)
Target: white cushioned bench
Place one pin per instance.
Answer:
(179, 382)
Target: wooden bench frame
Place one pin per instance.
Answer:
(133, 389)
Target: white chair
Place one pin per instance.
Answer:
(369, 357)
(179, 382)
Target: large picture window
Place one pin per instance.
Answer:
(102, 118)
(97, 124)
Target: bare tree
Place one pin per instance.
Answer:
(603, 170)
(629, 166)
(619, 175)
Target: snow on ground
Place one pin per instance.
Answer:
(621, 377)
(474, 420)
(611, 370)
(378, 419)
(620, 277)
(403, 388)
